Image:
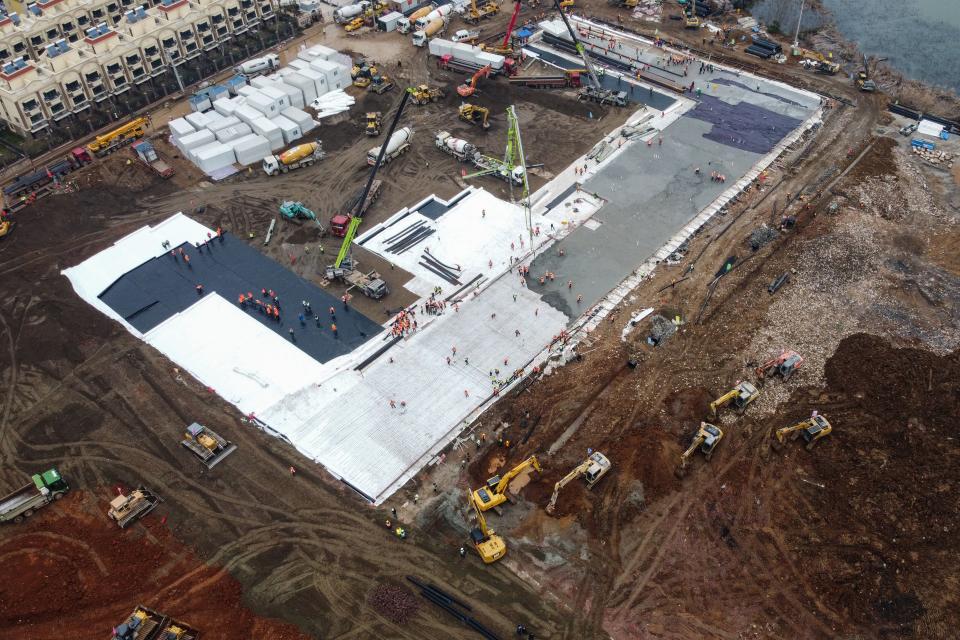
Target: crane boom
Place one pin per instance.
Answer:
(594, 80)
(355, 221)
(513, 22)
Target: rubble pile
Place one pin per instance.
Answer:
(393, 602)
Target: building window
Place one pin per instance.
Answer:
(137, 72)
(19, 46)
(4, 54)
(203, 27)
(30, 105)
(97, 90)
(51, 95)
(191, 46)
(150, 51)
(232, 11)
(35, 118)
(82, 20)
(113, 7)
(36, 40)
(73, 85)
(119, 82)
(67, 27)
(113, 68)
(132, 60)
(217, 19)
(52, 34)
(56, 108)
(92, 77)
(169, 43)
(97, 13)
(186, 35)
(156, 64)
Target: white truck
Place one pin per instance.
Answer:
(422, 36)
(259, 66)
(457, 147)
(397, 145)
(302, 155)
(405, 25)
(345, 14)
(462, 35)
(440, 12)
(43, 489)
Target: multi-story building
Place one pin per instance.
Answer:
(61, 56)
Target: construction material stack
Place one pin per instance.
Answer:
(43, 489)
(207, 445)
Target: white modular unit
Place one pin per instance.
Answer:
(197, 120)
(251, 149)
(306, 86)
(440, 47)
(269, 131)
(317, 51)
(289, 128)
(261, 81)
(278, 96)
(224, 122)
(336, 75)
(299, 64)
(247, 114)
(319, 80)
(294, 95)
(213, 156)
(232, 133)
(226, 106)
(302, 118)
(195, 140)
(180, 128)
(264, 104)
(247, 90)
(388, 22)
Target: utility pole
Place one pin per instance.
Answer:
(796, 38)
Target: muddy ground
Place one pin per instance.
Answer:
(854, 539)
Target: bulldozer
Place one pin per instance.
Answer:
(495, 492)
(423, 94)
(812, 429)
(127, 509)
(490, 547)
(5, 228)
(706, 438)
(207, 445)
(592, 469)
(784, 364)
(740, 396)
(374, 123)
(475, 115)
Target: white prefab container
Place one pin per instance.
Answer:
(440, 47)
(269, 131)
(389, 21)
(290, 129)
(224, 122)
(306, 86)
(336, 75)
(180, 128)
(264, 104)
(294, 95)
(234, 132)
(247, 90)
(302, 118)
(299, 64)
(317, 51)
(213, 156)
(197, 120)
(195, 140)
(226, 106)
(319, 80)
(278, 96)
(247, 114)
(251, 149)
(261, 81)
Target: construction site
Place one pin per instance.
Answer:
(582, 320)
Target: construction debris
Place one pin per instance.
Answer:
(394, 602)
(761, 236)
(661, 329)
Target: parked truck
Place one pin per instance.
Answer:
(422, 36)
(43, 489)
(441, 12)
(259, 66)
(302, 155)
(457, 147)
(113, 140)
(346, 14)
(405, 25)
(397, 145)
(149, 156)
(28, 187)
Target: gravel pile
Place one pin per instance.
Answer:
(761, 236)
(395, 603)
(661, 328)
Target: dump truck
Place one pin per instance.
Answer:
(422, 36)
(113, 140)
(43, 489)
(457, 147)
(570, 78)
(302, 155)
(259, 66)
(397, 145)
(209, 446)
(127, 509)
(149, 156)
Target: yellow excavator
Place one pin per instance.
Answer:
(740, 396)
(474, 14)
(495, 493)
(488, 544)
(475, 115)
(592, 469)
(691, 19)
(707, 438)
(812, 429)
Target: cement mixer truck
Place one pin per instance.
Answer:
(397, 145)
(345, 14)
(302, 155)
(442, 11)
(405, 25)
(421, 36)
(457, 147)
(258, 66)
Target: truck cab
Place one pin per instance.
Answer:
(339, 224)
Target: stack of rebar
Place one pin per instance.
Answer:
(449, 273)
(453, 606)
(410, 237)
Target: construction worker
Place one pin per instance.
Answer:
(388, 523)
(333, 313)
(292, 337)
(333, 328)
(401, 533)
(199, 289)
(463, 552)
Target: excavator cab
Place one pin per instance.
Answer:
(813, 430)
(495, 493)
(707, 438)
(475, 115)
(488, 544)
(784, 364)
(740, 396)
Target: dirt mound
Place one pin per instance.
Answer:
(70, 562)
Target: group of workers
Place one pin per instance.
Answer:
(404, 324)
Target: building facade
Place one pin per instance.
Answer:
(64, 56)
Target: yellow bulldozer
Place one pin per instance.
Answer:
(495, 492)
(490, 547)
(738, 397)
(706, 439)
(127, 509)
(812, 429)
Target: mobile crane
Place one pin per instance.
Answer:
(469, 88)
(740, 396)
(488, 544)
(495, 493)
(113, 140)
(592, 469)
(505, 48)
(594, 90)
(812, 429)
(706, 438)
(357, 219)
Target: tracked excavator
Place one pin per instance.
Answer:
(475, 115)
(739, 397)
(783, 365)
(495, 493)
(812, 429)
(469, 88)
(592, 469)
(706, 438)
(488, 544)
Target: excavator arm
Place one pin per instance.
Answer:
(723, 401)
(517, 470)
(577, 471)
